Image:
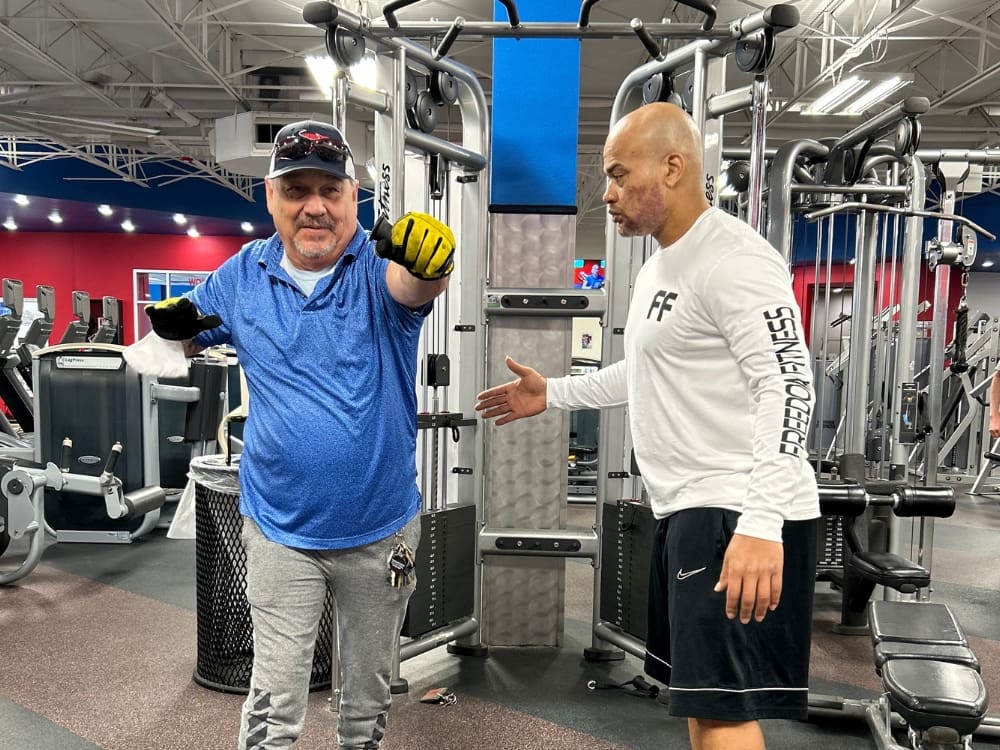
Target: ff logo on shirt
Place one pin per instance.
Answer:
(663, 301)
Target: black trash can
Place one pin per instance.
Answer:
(225, 631)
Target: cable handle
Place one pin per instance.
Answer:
(67, 455)
(109, 465)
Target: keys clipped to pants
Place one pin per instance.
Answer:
(400, 564)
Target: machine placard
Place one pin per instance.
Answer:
(83, 362)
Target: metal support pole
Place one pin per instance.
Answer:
(758, 135)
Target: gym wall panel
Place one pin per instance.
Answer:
(525, 474)
(102, 264)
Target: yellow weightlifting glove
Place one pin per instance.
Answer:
(419, 243)
(177, 319)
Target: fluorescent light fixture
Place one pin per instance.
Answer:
(10, 224)
(193, 232)
(876, 93)
(105, 210)
(21, 200)
(55, 218)
(987, 264)
(128, 226)
(180, 219)
(247, 227)
(324, 70)
(839, 93)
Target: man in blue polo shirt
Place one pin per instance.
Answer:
(326, 330)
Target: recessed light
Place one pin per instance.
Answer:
(10, 224)
(987, 264)
(21, 200)
(128, 226)
(180, 219)
(105, 210)
(247, 227)
(193, 232)
(55, 218)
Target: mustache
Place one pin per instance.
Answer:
(322, 224)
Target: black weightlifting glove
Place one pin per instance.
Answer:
(419, 243)
(177, 319)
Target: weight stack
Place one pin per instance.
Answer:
(626, 546)
(445, 567)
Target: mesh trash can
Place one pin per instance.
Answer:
(225, 631)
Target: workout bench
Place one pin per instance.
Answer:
(929, 674)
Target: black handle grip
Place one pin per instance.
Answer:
(782, 17)
(109, 465)
(320, 13)
(67, 455)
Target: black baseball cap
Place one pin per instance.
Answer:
(311, 145)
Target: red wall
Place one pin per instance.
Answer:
(804, 283)
(102, 265)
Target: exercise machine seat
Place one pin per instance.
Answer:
(954, 654)
(888, 569)
(914, 622)
(931, 694)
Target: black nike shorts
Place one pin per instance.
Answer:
(717, 668)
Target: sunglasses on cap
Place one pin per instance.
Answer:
(301, 145)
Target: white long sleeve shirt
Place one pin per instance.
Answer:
(717, 379)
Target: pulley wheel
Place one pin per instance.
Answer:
(753, 53)
(657, 88)
(687, 91)
(425, 112)
(410, 88)
(443, 87)
(738, 176)
(903, 137)
(345, 48)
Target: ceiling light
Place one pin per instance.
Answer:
(180, 219)
(128, 226)
(10, 224)
(21, 200)
(55, 218)
(824, 104)
(105, 210)
(193, 232)
(987, 264)
(247, 227)
(324, 70)
(876, 93)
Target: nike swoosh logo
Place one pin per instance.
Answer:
(682, 574)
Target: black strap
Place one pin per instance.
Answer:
(637, 686)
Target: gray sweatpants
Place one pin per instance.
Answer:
(286, 588)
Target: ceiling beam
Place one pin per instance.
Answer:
(197, 54)
(9, 33)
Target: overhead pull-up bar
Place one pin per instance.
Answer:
(703, 6)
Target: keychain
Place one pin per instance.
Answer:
(400, 564)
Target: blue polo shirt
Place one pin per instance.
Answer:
(329, 457)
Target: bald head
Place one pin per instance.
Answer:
(660, 129)
(653, 160)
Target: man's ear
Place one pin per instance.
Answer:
(673, 168)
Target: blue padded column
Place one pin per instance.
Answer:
(531, 245)
(536, 101)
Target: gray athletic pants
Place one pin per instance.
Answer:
(286, 588)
